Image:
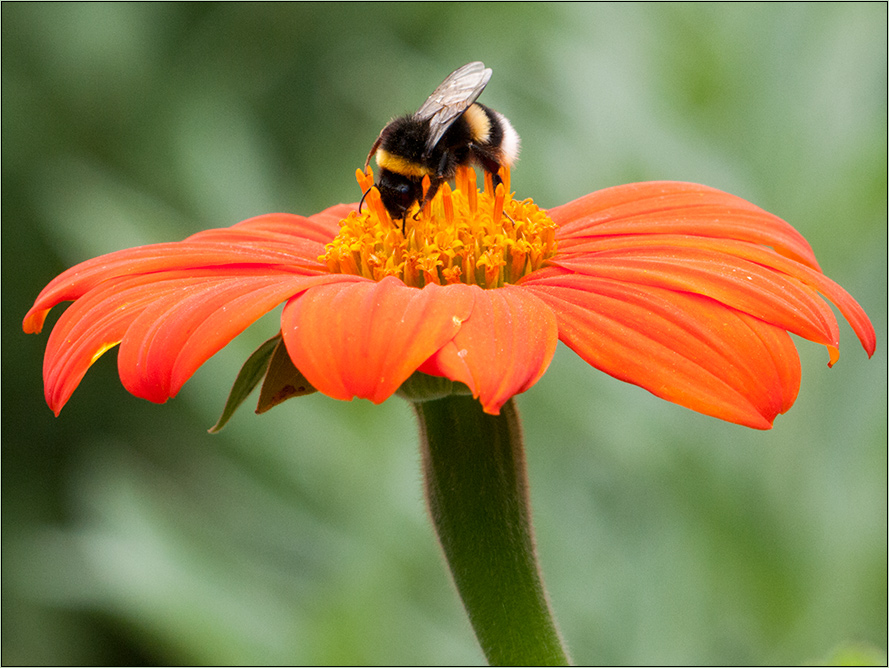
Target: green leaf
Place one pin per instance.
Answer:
(248, 378)
(282, 382)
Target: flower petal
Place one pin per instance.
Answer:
(747, 286)
(685, 348)
(672, 207)
(168, 324)
(277, 241)
(175, 335)
(285, 228)
(502, 349)
(605, 247)
(779, 346)
(365, 339)
(330, 218)
(86, 330)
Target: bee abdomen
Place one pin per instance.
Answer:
(500, 134)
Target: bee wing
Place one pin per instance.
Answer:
(454, 96)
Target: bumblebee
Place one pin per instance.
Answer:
(450, 130)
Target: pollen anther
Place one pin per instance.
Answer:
(461, 235)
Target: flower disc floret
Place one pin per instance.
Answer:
(463, 235)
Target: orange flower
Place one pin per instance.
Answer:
(681, 289)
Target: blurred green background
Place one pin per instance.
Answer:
(131, 536)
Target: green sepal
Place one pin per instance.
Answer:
(248, 378)
(420, 387)
(283, 381)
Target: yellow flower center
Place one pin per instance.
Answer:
(463, 235)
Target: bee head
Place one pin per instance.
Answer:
(398, 192)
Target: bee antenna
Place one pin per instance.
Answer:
(362, 199)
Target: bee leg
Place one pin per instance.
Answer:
(488, 164)
(446, 166)
(492, 167)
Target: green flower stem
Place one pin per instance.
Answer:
(477, 490)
